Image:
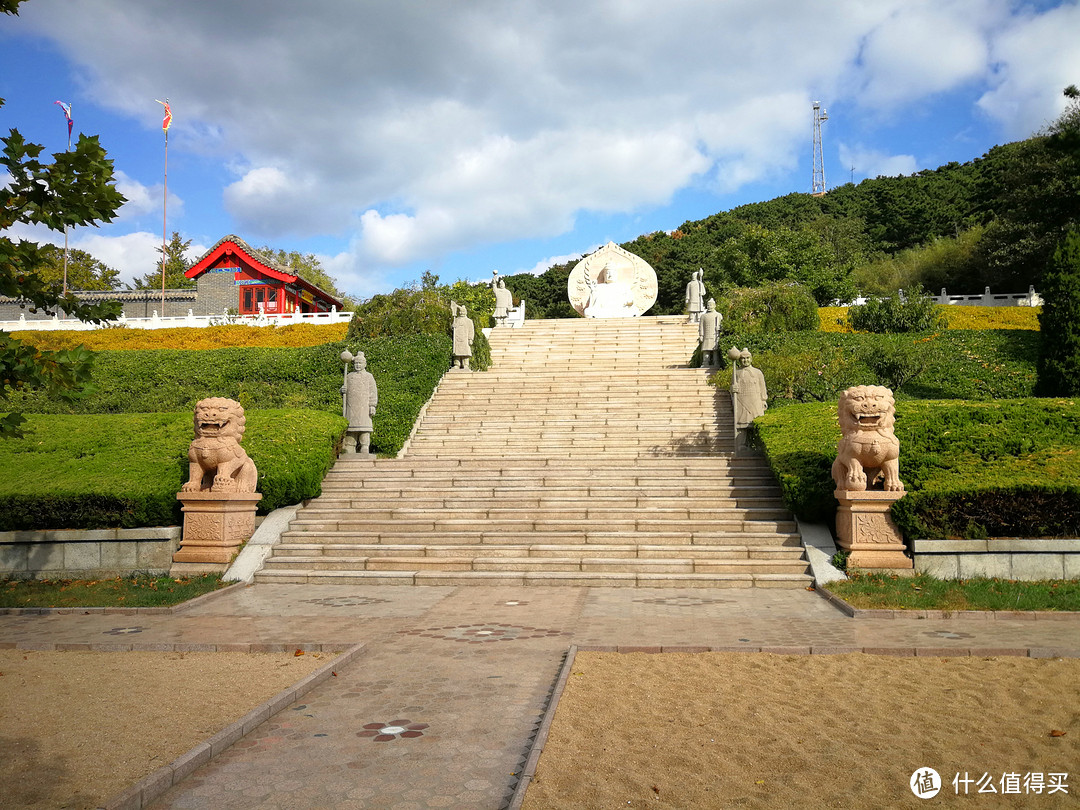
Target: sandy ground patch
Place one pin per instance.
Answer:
(745, 730)
(77, 728)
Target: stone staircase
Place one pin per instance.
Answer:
(588, 454)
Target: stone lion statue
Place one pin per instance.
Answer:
(869, 452)
(217, 462)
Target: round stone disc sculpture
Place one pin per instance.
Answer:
(630, 291)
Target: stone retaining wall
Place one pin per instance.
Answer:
(82, 554)
(1007, 558)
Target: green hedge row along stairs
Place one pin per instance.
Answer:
(590, 454)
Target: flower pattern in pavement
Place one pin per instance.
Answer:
(394, 730)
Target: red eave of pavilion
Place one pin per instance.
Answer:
(229, 248)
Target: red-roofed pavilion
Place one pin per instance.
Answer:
(243, 279)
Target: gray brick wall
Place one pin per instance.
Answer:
(217, 292)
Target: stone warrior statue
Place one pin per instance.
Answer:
(695, 296)
(748, 392)
(504, 300)
(464, 334)
(709, 335)
(360, 395)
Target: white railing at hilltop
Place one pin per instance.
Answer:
(155, 321)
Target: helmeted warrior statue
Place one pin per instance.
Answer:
(464, 333)
(709, 335)
(695, 296)
(360, 396)
(504, 301)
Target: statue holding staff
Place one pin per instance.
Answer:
(360, 396)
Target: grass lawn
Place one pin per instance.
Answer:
(142, 591)
(922, 592)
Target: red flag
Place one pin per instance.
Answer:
(165, 124)
(67, 114)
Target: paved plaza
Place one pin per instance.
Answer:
(441, 706)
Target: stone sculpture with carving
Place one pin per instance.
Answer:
(748, 388)
(869, 453)
(695, 296)
(504, 301)
(360, 398)
(216, 461)
(709, 334)
(464, 334)
(612, 283)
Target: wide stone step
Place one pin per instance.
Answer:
(656, 565)
(303, 576)
(331, 507)
(603, 516)
(592, 551)
(484, 536)
(642, 524)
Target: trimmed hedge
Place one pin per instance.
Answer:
(124, 470)
(406, 369)
(972, 469)
(962, 364)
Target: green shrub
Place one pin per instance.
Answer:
(780, 306)
(916, 312)
(124, 470)
(407, 369)
(1059, 358)
(158, 381)
(972, 469)
(427, 312)
(962, 364)
(402, 312)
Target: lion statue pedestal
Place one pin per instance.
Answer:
(219, 498)
(867, 476)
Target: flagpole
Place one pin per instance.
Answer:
(67, 115)
(165, 124)
(65, 224)
(164, 220)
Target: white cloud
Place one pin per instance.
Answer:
(412, 130)
(143, 199)
(867, 162)
(1035, 60)
(925, 47)
(546, 264)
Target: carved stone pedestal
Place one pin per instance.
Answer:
(215, 524)
(864, 528)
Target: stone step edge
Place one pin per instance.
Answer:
(297, 576)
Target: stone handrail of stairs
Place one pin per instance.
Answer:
(589, 454)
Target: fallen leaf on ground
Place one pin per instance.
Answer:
(1057, 733)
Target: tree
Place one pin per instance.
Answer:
(309, 268)
(1059, 322)
(75, 189)
(1032, 189)
(84, 272)
(176, 264)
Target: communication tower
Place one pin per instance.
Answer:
(819, 159)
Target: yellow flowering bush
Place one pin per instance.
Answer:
(835, 319)
(187, 337)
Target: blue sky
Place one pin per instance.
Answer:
(395, 137)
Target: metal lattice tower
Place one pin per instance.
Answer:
(819, 159)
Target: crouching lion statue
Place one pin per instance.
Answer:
(217, 462)
(869, 452)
